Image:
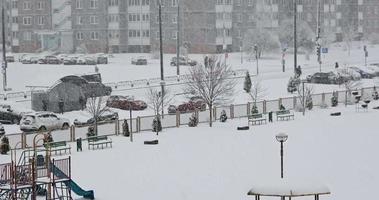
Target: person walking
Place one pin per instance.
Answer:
(270, 116)
(336, 65)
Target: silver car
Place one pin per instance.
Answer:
(42, 121)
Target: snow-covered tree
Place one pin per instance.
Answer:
(96, 106)
(334, 99)
(193, 121)
(4, 146)
(305, 35)
(213, 83)
(349, 32)
(256, 93)
(263, 38)
(156, 100)
(157, 125)
(305, 97)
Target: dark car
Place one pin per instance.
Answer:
(171, 109)
(124, 103)
(323, 78)
(192, 106)
(139, 61)
(182, 61)
(8, 116)
(106, 117)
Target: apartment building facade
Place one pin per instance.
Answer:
(206, 26)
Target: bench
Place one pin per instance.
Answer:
(362, 107)
(58, 147)
(257, 119)
(284, 115)
(99, 142)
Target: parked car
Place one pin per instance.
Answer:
(171, 109)
(323, 78)
(52, 60)
(139, 61)
(29, 60)
(198, 102)
(90, 61)
(69, 61)
(2, 131)
(101, 59)
(182, 61)
(106, 117)
(191, 106)
(42, 121)
(124, 103)
(8, 115)
(364, 71)
(347, 74)
(10, 58)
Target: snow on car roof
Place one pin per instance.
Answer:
(284, 187)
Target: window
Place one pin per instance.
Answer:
(145, 2)
(220, 2)
(94, 35)
(79, 4)
(113, 18)
(80, 20)
(79, 35)
(114, 34)
(94, 20)
(113, 2)
(15, 20)
(40, 20)
(146, 33)
(14, 4)
(239, 17)
(15, 34)
(27, 20)
(173, 34)
(40, 5)
(27, 5)
(174, 20)
(238, 2)
(249, 2)
(28, 36)
(145, 17)
(93, 4)
(174, 3)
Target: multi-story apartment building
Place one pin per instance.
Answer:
(206, 26)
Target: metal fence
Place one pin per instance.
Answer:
(144, 123)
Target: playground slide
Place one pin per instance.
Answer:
(74, 187)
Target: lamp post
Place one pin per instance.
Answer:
(161, 50)
(281, 137)
(4, 63)
(256, 56)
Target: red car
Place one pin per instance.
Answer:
(194, 103)
(124, 103)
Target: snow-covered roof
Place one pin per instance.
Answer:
(289, 188)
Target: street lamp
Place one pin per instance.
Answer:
(256, 56)
(281, 137)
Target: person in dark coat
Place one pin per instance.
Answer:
(336, 65)
(282, 107)
(61, 106)
(270, 116)
(44, 105)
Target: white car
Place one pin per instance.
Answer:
(42, 121)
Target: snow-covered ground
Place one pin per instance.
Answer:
(223, 163)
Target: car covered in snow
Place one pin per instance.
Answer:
(10, 58)
(365, 72)
(182, 61)
(195, 103)
(90, 61)
(106, 117)
(139, 61)
(29, 60)
(101, 59)
(346, 74)
(171, 109)
(8, 115)
(69, 61)
(52, 60)
(125, 103)
(43, 121)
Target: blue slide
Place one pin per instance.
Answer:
(88, 194)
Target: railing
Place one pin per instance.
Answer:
(144, 123)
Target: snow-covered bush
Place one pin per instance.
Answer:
(157, 125)
(125, 129)
(334, 99)
(254, 109)
(193, 121)
(223, 116)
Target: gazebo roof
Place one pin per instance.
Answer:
(288, 188)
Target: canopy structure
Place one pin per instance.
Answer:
(285, 188)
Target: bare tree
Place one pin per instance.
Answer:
(156, 100)
(212, 82)
(305, 97)
(96, 106)
(254, 89)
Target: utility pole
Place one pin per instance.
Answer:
(177, 40)
(295, 34)
(161, 52)
(4, 64)
(318, 33)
